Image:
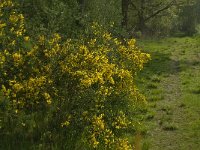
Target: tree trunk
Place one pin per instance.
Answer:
(141, 24)
(81, 5)
(125, 4)
(141, 18)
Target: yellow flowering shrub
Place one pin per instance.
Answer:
(77, 92)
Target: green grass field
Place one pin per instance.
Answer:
(171, 83)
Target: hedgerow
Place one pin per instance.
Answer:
(67, 93)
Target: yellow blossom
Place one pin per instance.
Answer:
(26, 38)
(17, 57)
(48, 98)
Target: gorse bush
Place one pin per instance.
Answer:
(66, 93)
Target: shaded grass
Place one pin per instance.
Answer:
(168, 126)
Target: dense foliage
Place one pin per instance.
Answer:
(66, 93)
(129, 18)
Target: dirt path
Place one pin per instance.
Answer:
(173, 118)
(170, 111)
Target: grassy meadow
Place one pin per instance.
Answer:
(171, 83)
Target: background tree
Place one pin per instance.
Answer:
(125, 7)
(71, 18)
(189, 18)
(144, 12)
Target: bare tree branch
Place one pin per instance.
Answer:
(161, 10)
(133, 5)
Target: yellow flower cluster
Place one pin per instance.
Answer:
(6, 3)
(20, 92)
(78, 77)
(98, 123)
(11, 25)
(133, 54)
(66, 123)
(47, 97)
(123, 144)
(17, 58)
(100, 134)
(121, 121)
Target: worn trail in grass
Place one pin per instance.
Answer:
(171, 82)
